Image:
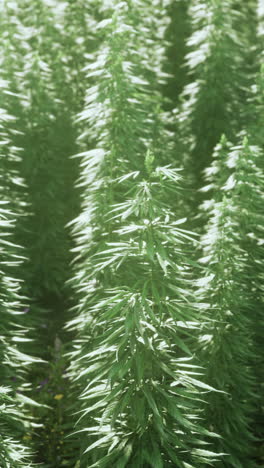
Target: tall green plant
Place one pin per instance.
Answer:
(43, 128)
(246, 185)
(116, 119)
(212, 103)
(15, 421)
(232, 253)
(140, 388)
(48, 139)
(127, 341)
(227, 342)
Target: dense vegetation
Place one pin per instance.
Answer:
(131, 233)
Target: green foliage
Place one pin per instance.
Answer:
(12, 453)
(215, 176)
(212, 103)
(234, 294)
(159, 361)
(14, 420)
(139, 388)
(50, 389)
(177, 34)
(132, 319)
(255, 109)
(247, 185)
(48, 139)
(227, 342)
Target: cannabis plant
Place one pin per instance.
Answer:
(100, 103)
(13, 422)
(130, 322)
(232, 287)
(212, 102)
(227, 342)
(141, 389)
(47, 140)
(246, 185)
(115, 119)
(14, 419)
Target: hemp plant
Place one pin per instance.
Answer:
(232, 287)
(15, 420)
(141, 390)
(212, 101)
(227, 344)
(131, 313)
